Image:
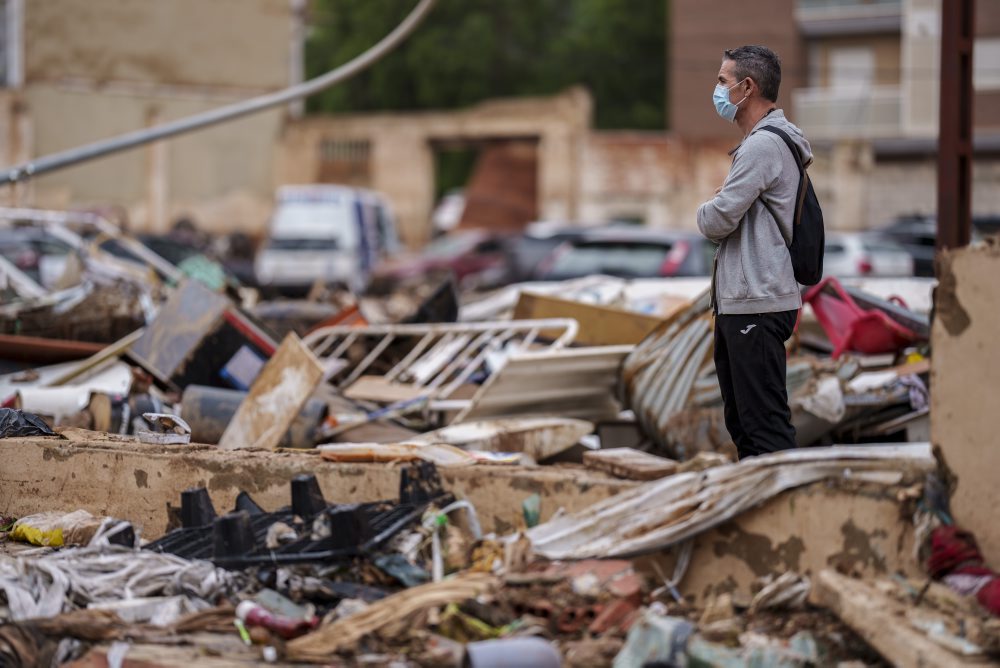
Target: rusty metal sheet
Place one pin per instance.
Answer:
(661, 513)
(276, 398)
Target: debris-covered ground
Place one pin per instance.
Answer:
(538, 475)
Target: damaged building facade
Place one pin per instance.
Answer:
(858, 79)
(77, 71)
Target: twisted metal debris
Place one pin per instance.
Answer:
(660, 375)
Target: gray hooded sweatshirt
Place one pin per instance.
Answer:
(753, 270)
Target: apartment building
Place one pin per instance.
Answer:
(861, 78)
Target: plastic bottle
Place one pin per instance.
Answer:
(252, 614)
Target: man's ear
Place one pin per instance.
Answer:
(751, 87)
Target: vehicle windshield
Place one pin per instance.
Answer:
(329, 223)
(614, 259)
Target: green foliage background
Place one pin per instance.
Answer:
(471, 50)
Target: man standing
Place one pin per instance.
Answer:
(754, 291)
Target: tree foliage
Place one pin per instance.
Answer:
(471, 50)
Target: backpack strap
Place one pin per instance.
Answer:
(800, 194)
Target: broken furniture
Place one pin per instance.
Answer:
(396, 363)
(851, 327)
(200, 337)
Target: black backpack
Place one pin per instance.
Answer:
(808, 239)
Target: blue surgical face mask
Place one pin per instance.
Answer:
(723, 106)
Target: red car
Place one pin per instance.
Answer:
(476, 258)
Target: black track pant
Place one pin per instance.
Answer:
(750, 361)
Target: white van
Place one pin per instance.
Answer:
(331, 233)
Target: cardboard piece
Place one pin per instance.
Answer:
(599, 325)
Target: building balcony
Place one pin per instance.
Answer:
(829, 113)
(832, 18)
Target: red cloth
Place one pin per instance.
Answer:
(953, 548)
(989, 597)
(954, 551)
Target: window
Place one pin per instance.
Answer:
(986, 64)
(344, 161)
(852, 68)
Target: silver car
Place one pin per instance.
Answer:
(860, 254)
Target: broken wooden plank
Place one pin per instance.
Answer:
(275, 399)
(881, 622)
(321, 644)
(630, 463)
(599, 325)
(382, 390)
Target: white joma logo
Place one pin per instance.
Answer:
(747, 330)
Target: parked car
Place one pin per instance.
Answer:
(849, 255)
(630, 253)
(918, 235)
(530, 248)
(330, 233)
(476, 258)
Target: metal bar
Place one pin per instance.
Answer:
(461, 358)
(345, 344)
(569, 326)
(410, 356)
(367, 361)
(137, 138)
(24, 285)
(955, 137)
(438, 358)
(477, 362)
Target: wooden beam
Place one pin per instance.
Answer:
(881, 622)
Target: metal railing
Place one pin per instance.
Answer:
(848, 113)
(434, 359)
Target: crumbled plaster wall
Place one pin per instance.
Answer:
(965, 386)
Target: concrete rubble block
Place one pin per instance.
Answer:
(115, 475)
(964, 372)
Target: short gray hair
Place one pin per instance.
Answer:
(760, 64)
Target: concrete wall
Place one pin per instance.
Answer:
(965, 422)
(652, 177)
(858, 529)
(97, 68)
(903, 187)
(221, 176)
(236, 44)
(402, 158)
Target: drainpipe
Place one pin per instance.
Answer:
(297, 54)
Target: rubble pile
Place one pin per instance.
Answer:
(487, 408)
